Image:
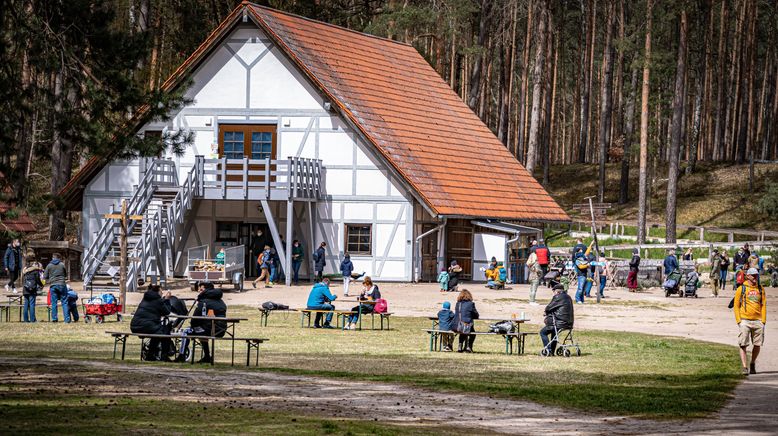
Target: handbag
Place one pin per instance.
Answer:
(465, 328)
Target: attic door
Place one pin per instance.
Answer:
(253, 141)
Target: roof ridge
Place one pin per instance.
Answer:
(369, 35)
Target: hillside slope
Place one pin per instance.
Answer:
(716, 195)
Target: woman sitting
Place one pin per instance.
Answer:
(370, 292)
(464, 318)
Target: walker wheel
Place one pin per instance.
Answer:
(544, 352)
(567, 352)
(559, 351)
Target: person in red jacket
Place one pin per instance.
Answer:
(544, 256)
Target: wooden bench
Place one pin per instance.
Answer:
(5, 310)
(264, 314)
(342, 317)
(251, 343)
(437, 345)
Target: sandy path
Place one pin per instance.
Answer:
(751, 411)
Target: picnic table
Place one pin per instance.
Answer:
(343, 314)
(229, 331)
(435, 334)
(5, 310)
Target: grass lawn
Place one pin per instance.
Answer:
(619, 373)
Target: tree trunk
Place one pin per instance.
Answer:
(548, 107)
(643, 187)
(61, 158)
(629, 130)
(676, 132)
(521, 138)
(475, 78)
(718, 129)
(537, 83)
(586, 85)
(606, 101)
(745, 101)
(695, 129)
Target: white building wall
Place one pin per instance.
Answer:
(248, 80)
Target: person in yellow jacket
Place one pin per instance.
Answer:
(750, 307)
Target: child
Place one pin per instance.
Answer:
(73, 304)
(443, 280)
(446, 323)
(220, 257)
(346, 268)
(264, 265)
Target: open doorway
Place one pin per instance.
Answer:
(247, 235)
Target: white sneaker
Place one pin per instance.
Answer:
(532, 303)
(6, 288)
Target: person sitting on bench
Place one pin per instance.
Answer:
(209, 303)
(147, 319)
(370, 292)
(560, 309)
(321, 298)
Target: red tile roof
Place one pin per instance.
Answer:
(20, 224)
(416, 121)
(413, 118)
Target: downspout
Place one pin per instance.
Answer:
(417, 269)
(508, 255)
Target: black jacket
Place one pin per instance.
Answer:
(32, 276)
(634, 264)
(148, 315)
(465, 312)
(321, 259)
(740, 259)
(210, 300)
(561, 306)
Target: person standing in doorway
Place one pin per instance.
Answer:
(750, 306)
(320, 261)
(54, 275)
(13, 264)
(297, 260)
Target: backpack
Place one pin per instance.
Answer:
(381, 306)
(269, 305)
(542, 254)
(502, 327)
(503, 274)
(742, 288)
(30, 283)
(581, 263)
(740, 277)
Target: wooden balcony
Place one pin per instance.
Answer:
(295, 178)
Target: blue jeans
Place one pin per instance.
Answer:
(546, 334)
(29, 308)
(603, 281)
(588, 288)
(579, 293)
(363, 309)
(723, 276)
(296, 270)
(272, 271)
(59, 293)
(323, 306)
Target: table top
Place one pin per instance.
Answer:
(518, 321)
(357, 301)
(208, 318)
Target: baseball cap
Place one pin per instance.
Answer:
(752, 272)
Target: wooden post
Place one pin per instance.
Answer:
(123, 254)
(702, 234)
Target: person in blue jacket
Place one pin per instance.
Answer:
(321, 298)
(346, 268)
(446, 323)
(671, 262)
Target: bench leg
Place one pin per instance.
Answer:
(124, 346)
(432, 335)
(248, 353)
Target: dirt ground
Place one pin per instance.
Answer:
(751, 411)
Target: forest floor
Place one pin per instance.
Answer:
(338, 382)
(715, 195)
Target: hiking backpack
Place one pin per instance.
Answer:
(381, 306)
(30, 283)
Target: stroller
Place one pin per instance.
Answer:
(691, 285)
(563, 338)
(672, 284)
(555, 272)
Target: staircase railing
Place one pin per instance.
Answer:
(162, 172)
(176, 210)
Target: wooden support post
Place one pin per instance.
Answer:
(124, 220)
(731, 237)
(288, 251)
(312, 241)
(702, 234)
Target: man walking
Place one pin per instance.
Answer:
(750, 307)
(320, 261)
(13, 264)
(715, 272)
(544, 256)
(54, 275)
